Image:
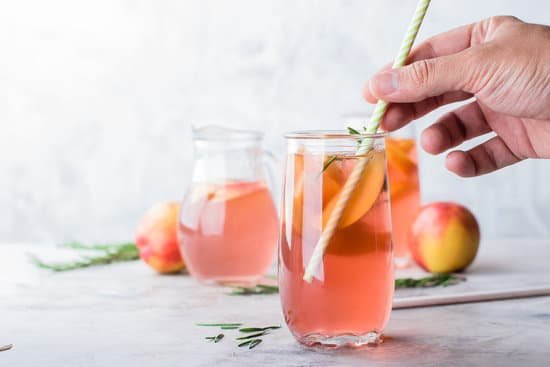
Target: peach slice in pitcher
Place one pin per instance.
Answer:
(366, 192)
(232, 190)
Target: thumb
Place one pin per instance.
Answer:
(422, 79)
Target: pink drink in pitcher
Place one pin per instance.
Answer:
(228, 231)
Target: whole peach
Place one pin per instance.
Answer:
(157, 238)
(444, 237)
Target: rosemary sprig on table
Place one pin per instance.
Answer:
(256, 329)
(251, 343)
(253, 336)
(107, 254)
(251, 340)
(257, 289)
(436, 280)
(215, 339)
(222, 325)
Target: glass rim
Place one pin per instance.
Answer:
(331, 134)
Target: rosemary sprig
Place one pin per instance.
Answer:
(221, 325)
(329, 162)
(107, 254)
(444, 280)
(6, 347)
(333, 158)
(251, 343)
(253, 336)
(229, 327)
(352, 131)
(94, 246)
(216, 338)
(257, 329)
(251, 340)
(257, 289)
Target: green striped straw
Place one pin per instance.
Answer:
(365, 146)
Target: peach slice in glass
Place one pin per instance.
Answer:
(366, 192)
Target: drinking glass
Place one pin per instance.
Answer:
(404, 188)
(228, 224)
(349, 300)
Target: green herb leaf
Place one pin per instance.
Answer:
(444, 280)
(251, 329)
(352, 131)
(229, 327)
(234, 324)
(258, 289)
(426, 282)
(108, 254)
(329, 162)
(245, 343)
(254, 342)
(215, 339)
(257, 329)
(252, 336)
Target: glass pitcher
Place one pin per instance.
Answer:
(228, 225)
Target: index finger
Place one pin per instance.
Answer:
(443, 44)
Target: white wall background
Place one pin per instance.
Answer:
(96, 100)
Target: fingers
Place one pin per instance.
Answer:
(427, 78)
(446, 62)
(454, 128)
(484, 158)
(399, 114)
(444, 44)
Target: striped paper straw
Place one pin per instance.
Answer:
(366, 146)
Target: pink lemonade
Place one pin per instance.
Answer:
(228, 232)
(350, 301)
(404, 192)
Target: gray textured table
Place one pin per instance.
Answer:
(127, 315)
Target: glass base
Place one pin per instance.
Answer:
(341, 340)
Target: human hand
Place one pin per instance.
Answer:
(501, 62)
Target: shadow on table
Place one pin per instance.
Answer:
(398, 349)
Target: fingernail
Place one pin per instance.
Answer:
(385, 83)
